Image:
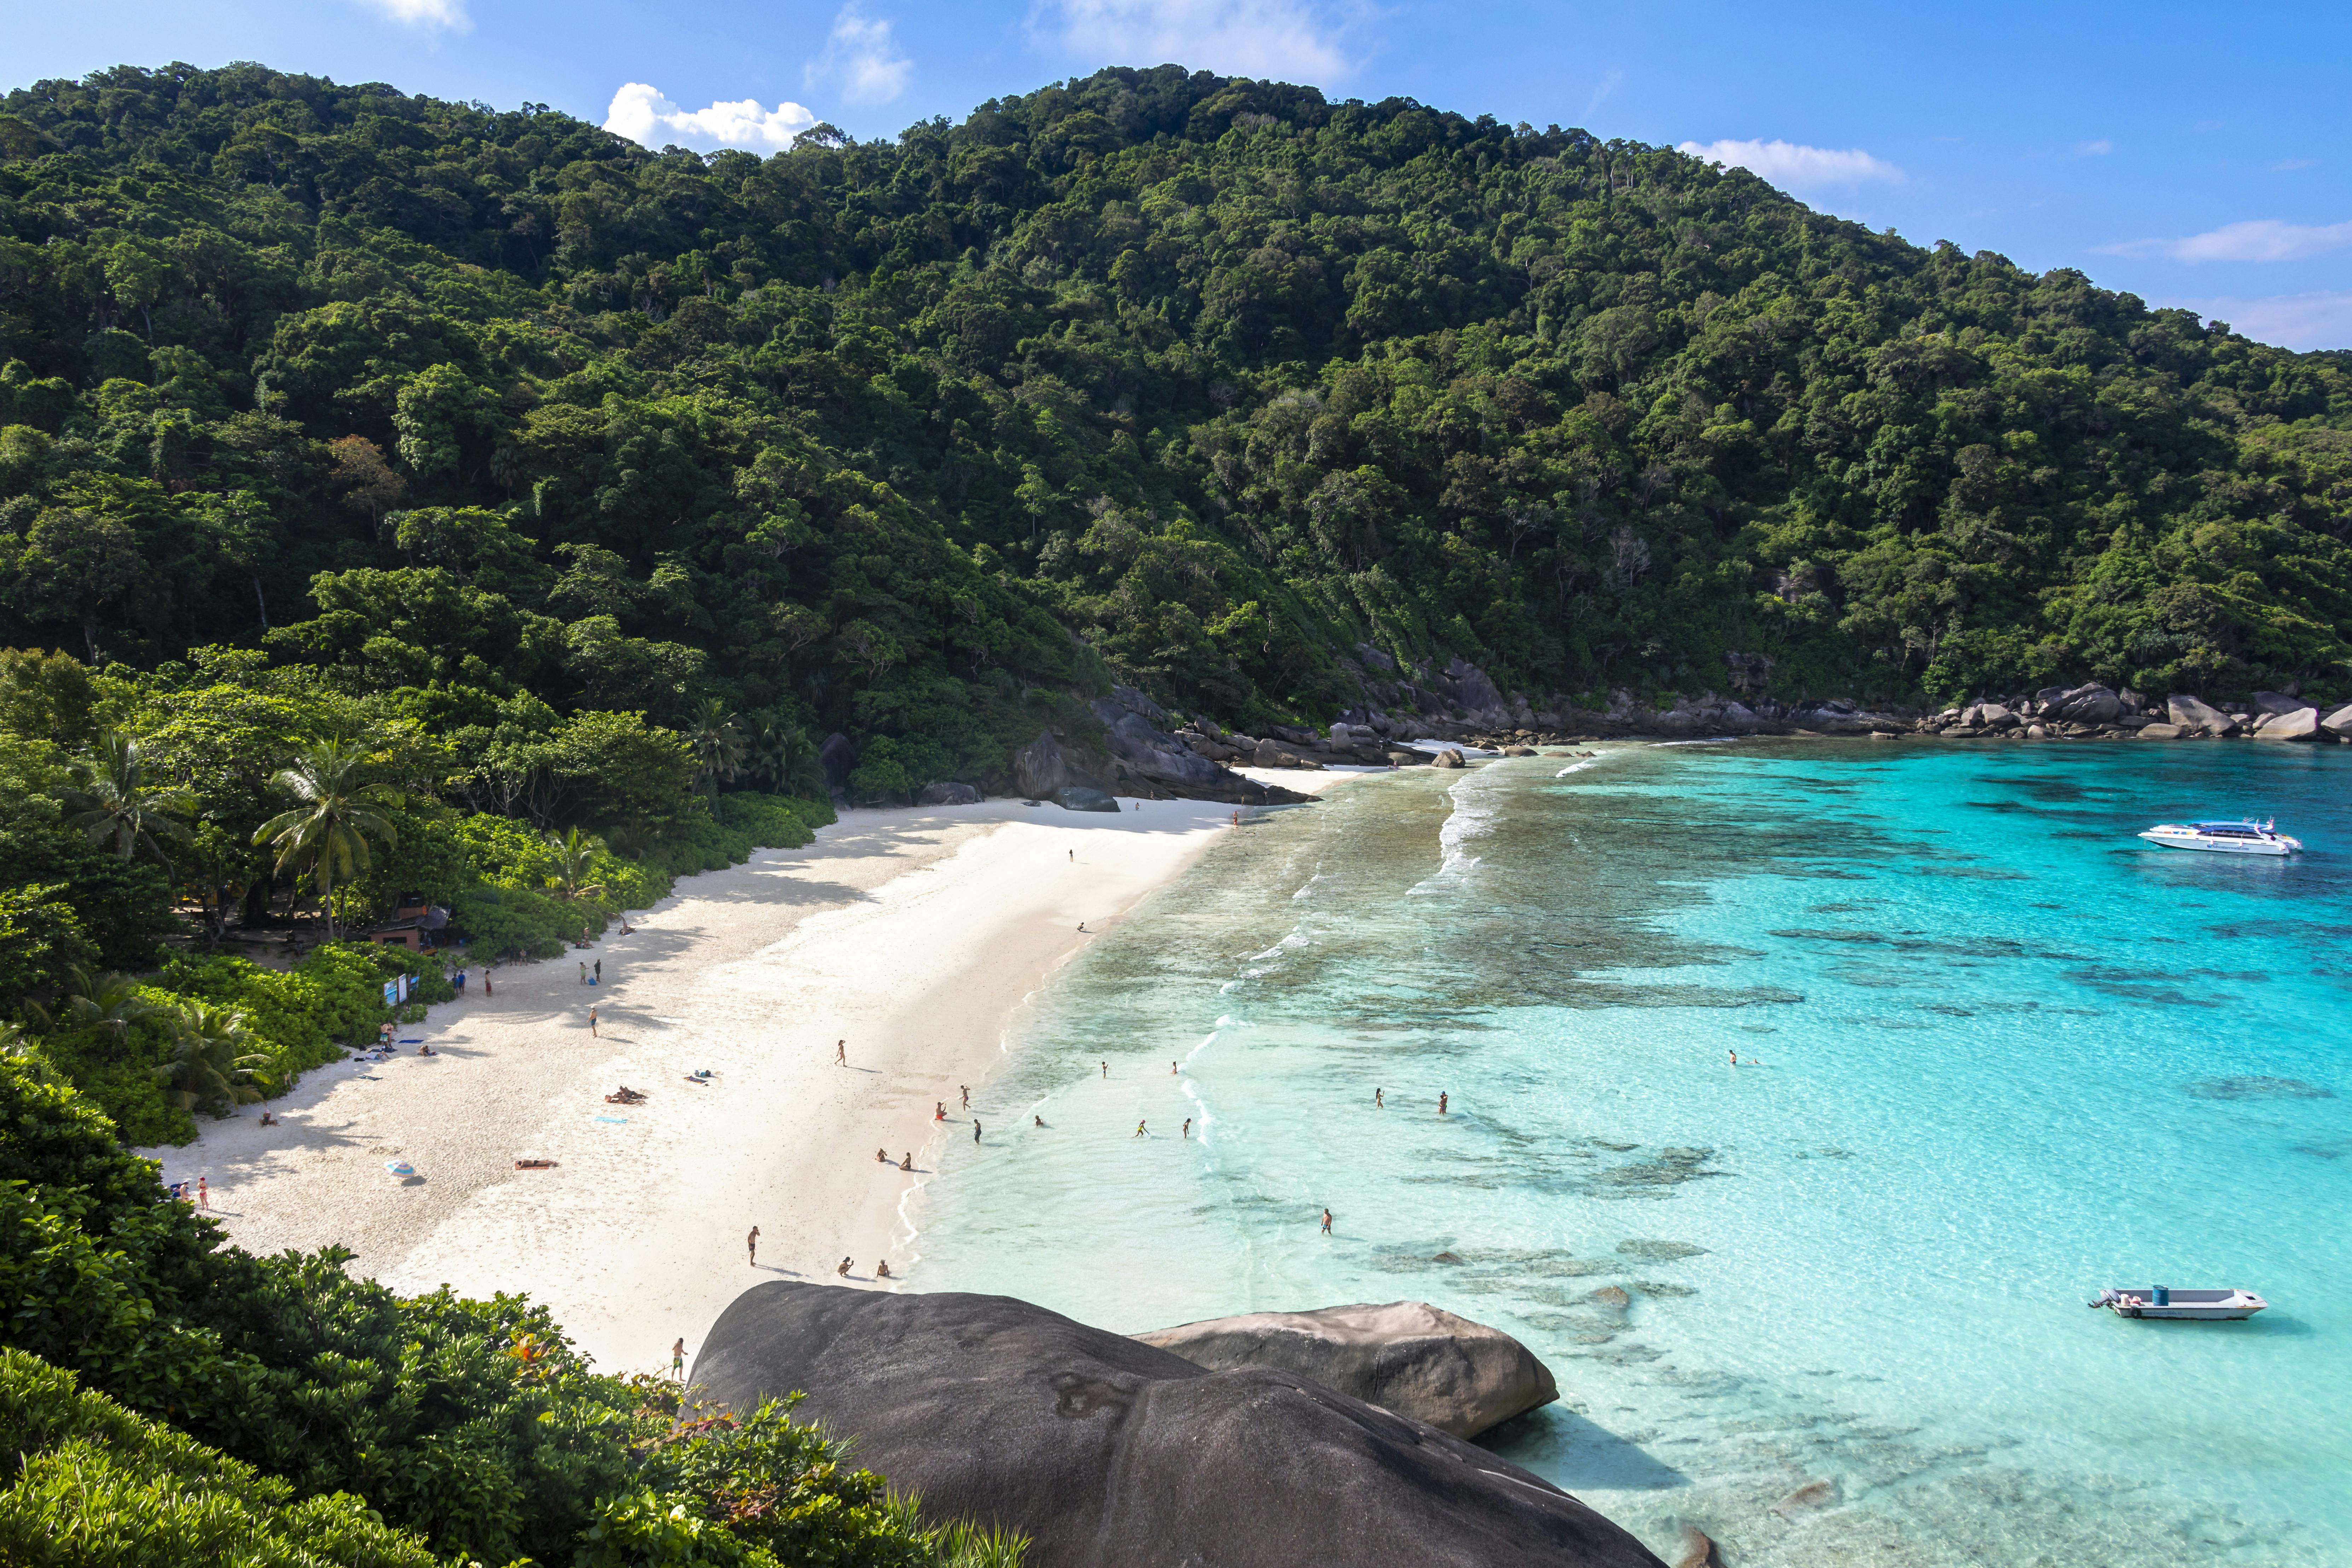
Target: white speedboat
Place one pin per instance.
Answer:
(2246, 837)
(2160, 1301)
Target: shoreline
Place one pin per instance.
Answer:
(921, 935)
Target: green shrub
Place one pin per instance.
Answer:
(89, 1482)
(772, 822)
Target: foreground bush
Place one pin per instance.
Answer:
(84, 1481)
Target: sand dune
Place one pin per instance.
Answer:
(916, 936)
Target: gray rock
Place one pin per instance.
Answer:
(2301, 724)
(2161, 732)
(2193, 714)
(1694, 1550)
(2091, 704)
(2277, 702)
(1408, 1356)
(1130, 732)
(1042, 769)
(838, 758)
(1084, 797)
(2338, 723)
(1107, 1452)
(948, 792)
(1448, 758)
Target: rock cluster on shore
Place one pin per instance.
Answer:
(1110, 1453)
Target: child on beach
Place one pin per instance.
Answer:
(677, 1361)
(882, 1270)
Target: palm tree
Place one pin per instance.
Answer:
(104, 1004)
(112, 803)
(782, 757)
(717, 744)
(576, 855)
(212, 1060)
(327, 833)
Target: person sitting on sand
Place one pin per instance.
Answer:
(880, 1158)
(267, 1119)
(844, 1270)
(426, 1051)
(882, 1270)
(908, 1163)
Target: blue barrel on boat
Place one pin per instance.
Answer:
(2160, 1296)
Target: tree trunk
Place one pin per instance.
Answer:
(260, 601)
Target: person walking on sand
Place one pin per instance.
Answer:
(967, 1095)
(1326, 1222)
(677, 1361)
(751, 1244)
(1138, 1129)
(841, 1053)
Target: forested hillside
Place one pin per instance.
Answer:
(1191, 381)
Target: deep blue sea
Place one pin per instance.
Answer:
(2002, 1054)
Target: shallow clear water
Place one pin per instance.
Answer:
(2004, 1054)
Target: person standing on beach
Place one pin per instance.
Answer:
(461, 984)
(677, 1361)
(591, 1023)
(600, 972)
(584, 975)
(487, 992)
(967, 1095)
(975, 1128)
(1171, 1069)
(751, 1244)
(1188, 1127)
(841, 1053)
(204, 1194)
(1106, 1070)
(1326, 1222)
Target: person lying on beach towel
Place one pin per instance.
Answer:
(624, 1095)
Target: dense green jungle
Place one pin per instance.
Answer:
(400, 497)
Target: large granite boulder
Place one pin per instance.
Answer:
(1408, 1356)
(948, 792)
(2339, 723)
(838, 758)
(2276, 702)
(1042, 769)
(2091, 704)
(1133, 733)
(1084, 797)
(2197, 717)
(2301, 724)
(1107, 1453)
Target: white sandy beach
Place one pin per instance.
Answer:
(917, 935)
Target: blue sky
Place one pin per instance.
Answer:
(2195, 154)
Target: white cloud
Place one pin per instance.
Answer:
(643, 115)
(1795, 165)
(449, 13)
(2261, 239)
(2092, 149)
(1290, 40)
(2322, 319)
(861, 58)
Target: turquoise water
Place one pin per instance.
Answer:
(2004, 1054)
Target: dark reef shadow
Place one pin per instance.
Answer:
(1572, 1452)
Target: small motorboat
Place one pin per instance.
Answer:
(2242, 837)
(2161, 1301)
